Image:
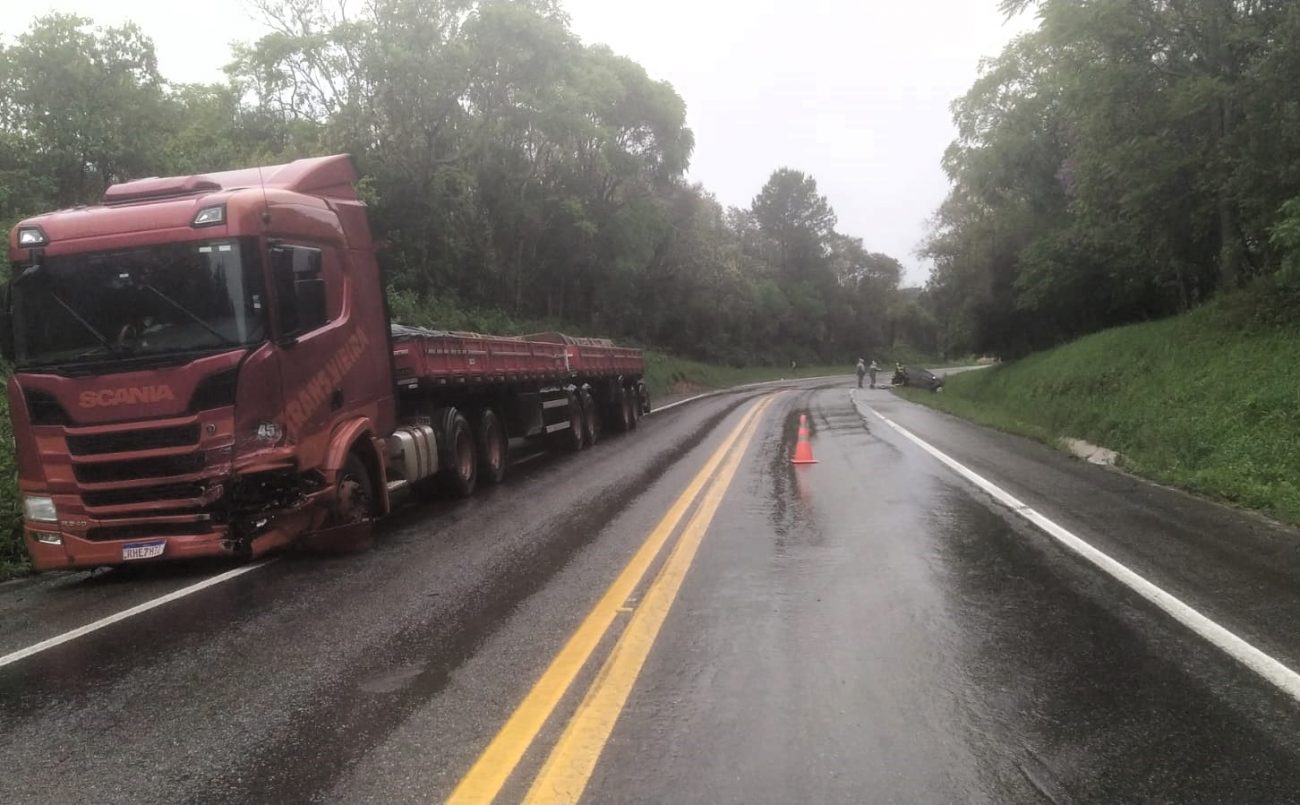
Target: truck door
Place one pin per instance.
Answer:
(318, 343)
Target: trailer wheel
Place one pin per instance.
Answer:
(590, 418)
(457, 454)
(618, 411)
(633, 407)
(490, 436)
(643, 397)
(573, 438)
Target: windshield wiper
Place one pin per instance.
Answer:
(90, 328)
(192, 315)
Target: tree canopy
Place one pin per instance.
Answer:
(1125, 161)
(508, 166)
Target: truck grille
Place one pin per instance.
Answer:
(126, 497)
(145, 530)
(138, 480)
(132, 440)
(160, 467)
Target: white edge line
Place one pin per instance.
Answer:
(716, 392)
(81, 631)
(670, 406)
(1271, 669)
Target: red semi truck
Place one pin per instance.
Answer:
(205, 366)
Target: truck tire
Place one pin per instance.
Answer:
(347, 527)
(633, 407)
(571, 439)
(457, 454)
(590, 418)
(492, 443)
(354, 494)
(643, 396)
(618, 411)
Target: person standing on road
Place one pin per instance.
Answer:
(862, 370)
(872, 370)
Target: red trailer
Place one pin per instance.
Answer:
(204, 366)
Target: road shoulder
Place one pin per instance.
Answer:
(1239, 568)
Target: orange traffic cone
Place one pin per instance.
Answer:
(803, 449)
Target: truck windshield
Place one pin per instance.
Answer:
(156, 300)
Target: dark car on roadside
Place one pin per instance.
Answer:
(918, 378)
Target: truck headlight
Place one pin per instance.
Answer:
(29, 236)
(39, 509)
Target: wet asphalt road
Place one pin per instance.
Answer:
(867, 629)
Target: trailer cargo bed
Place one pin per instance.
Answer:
(423, 357)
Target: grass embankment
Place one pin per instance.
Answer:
(1208, 402)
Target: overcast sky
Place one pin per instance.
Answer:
(855, 92)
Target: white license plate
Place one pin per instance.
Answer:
(143, 550)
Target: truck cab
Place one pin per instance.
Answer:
(196, 362)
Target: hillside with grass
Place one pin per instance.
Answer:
(1208, 401)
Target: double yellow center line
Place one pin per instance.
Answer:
(568, 767)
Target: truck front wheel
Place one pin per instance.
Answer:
(347, 528)
(354, 499)
(457, 453)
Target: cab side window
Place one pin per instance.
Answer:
(299, 289)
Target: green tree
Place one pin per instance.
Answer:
(508, 166)
(797, 220)
(1125, 161)
(82, 107)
